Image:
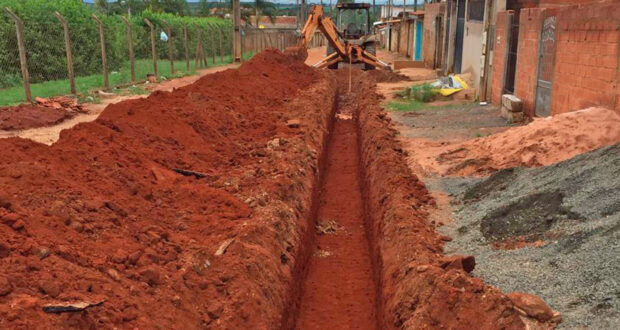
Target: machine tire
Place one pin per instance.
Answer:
(330, 50)
(371, 48)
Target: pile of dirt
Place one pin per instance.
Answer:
(383, 76)
(565, 220)
(418, 285)
(542, 142)
(44, 112)
(185, 209)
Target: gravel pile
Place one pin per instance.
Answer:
(573, 208)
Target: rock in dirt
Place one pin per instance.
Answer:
(5, 286)
(5, 250)
(293, 123)
(151, 276)
(531, 305)
(50, 287)
(466, 263)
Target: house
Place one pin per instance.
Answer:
(556, 55)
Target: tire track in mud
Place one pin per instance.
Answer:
(339, 290)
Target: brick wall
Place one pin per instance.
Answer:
(530, 23)
(431, 11)
(557, 3)
(587, 58)
(404, 32)
(502, 29)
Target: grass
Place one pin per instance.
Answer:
(407, 105)
(83, 85)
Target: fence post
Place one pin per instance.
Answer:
(198, 47)
(153, 49)
(186, 48)
(213, 47)
(19, 30)
(219, 32)
(170, 48)
(104, 59)
(130, 46)
(65, 27)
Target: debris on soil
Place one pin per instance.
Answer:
(45, 112)
(542, 142)
(70, 306)
(328, 227)
(561, 223)
(222, 249)
(322, 253)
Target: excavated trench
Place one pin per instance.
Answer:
(339, 289)
(301, 213)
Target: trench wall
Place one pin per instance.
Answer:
(414, 290)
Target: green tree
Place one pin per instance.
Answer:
(203, 8)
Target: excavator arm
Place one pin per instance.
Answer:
(344, 52)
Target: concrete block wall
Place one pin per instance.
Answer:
(431, 11)
(530, 24)
(587, 58)
(502, 30)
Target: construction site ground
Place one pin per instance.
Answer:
(274, 195)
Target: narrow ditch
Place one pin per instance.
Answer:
(339, 290)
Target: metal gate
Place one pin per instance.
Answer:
(511, 57)
(460, 34)
(546, 60)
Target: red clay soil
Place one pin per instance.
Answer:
(418, 286)
(339, 290)
(26, 116)
(100, 217)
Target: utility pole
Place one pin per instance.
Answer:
(303, 11)
(237, 30)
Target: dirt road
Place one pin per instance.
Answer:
(50, 134)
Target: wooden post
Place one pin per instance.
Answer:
(198, 48)
(186, 48)
(65, 27)
(19, 30)
(104, 58)
(213, 47)
(153, 49)
(237, 52)
(219, 33)
(132, 63)
(170, 46)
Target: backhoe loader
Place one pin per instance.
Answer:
(354, 44)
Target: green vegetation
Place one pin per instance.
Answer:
(406, 105)
(84, 85)
(43, 38)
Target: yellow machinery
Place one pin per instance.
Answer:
(352, 45)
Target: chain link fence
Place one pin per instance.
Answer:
(47, 53)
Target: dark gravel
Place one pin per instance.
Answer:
(574, 207)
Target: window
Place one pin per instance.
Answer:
(476, 10)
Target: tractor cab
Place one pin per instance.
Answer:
(353, 19)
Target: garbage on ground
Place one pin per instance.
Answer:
(449, 85)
